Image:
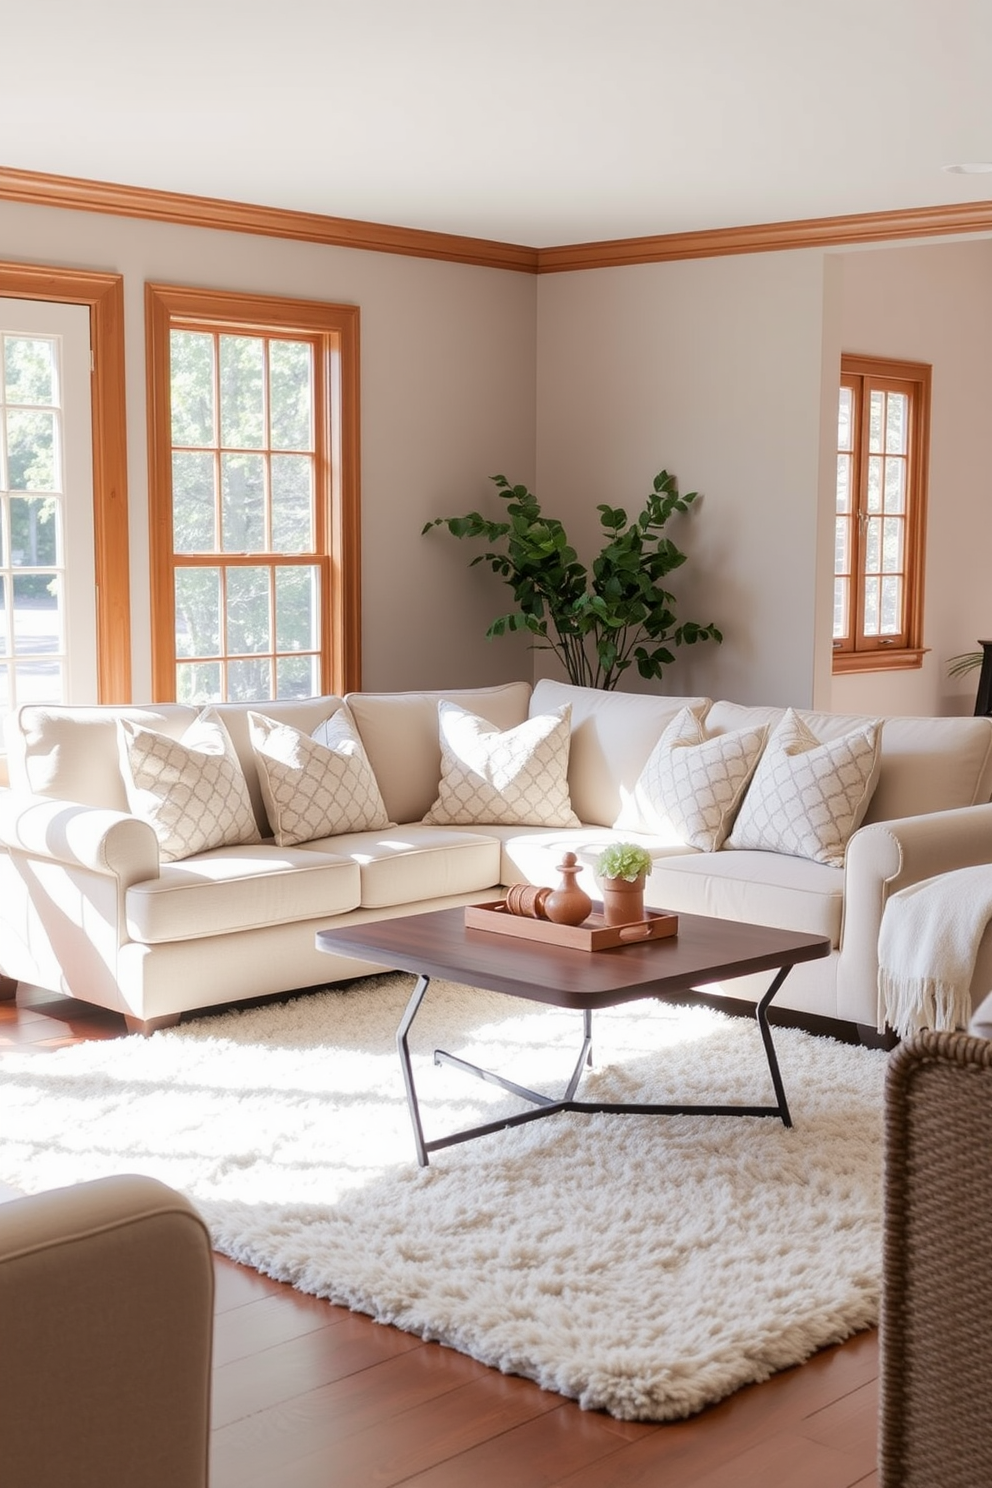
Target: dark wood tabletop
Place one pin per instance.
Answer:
(705, 950)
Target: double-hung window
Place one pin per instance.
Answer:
(254, 496)
(882, 452)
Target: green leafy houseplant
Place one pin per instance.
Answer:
(966, 662)
(623, 860)
(597, 624)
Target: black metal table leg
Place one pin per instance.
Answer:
(585, 1054)
(761, 1013)
(441, 1056)
(417, 997)
(547, 1106)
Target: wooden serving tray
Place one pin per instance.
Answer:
(592, 935)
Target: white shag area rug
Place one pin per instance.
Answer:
(647, 1266)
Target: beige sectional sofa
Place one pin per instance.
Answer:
(88, 908)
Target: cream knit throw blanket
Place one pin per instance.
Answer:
(927, 947)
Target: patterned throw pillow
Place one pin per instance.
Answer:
(318, 785)
(808, 797)
(517, 777)
(692, 784)
(191, 790)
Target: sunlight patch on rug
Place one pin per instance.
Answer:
(643, 1265)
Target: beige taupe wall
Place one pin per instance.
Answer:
(448, 398)
(934, 304)
(724, 370)
(713, 369)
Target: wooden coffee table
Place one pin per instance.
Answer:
(704, 950)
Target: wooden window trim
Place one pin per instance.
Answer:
(875, 655)
(104, 296)
(338, 483)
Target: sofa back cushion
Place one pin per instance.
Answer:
(932, 764)
(400, 734)
(612, 735)
(305, 714)
(926, 764)
(71, 753)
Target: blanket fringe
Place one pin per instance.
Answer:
(909, 1004)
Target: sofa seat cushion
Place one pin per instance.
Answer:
(532, 854)
(403, 865)
(240, 888)
(761, 887)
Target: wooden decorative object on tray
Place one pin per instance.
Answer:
(527, 900)
(568, 904)
(593, 935)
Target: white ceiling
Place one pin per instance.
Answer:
(531, 121)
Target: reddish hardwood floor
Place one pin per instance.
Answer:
(307, 1395)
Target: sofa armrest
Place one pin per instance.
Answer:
(92, 837)
(883, 858)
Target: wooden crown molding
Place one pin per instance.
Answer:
(38, 189)
(771, 237)
(42, 190)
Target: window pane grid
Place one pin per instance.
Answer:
(896, 423)
(844, 533)
(878, 528)
(845, 420)
(876, 421)
(33, 654)
(894, 483)
(250, 630)
(248, 401)
(244, 487)
(844, 482)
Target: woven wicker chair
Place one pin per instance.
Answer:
(936, 1325)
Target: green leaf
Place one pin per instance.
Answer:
(965, 661)
(623, 860)
(596, 621)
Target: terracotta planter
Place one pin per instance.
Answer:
(623, 900)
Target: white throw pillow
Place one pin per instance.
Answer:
(191, 790)
(514, 777)
(808, 797)
(315, 785)
(692, 783)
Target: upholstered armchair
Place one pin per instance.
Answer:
(106, 1325)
